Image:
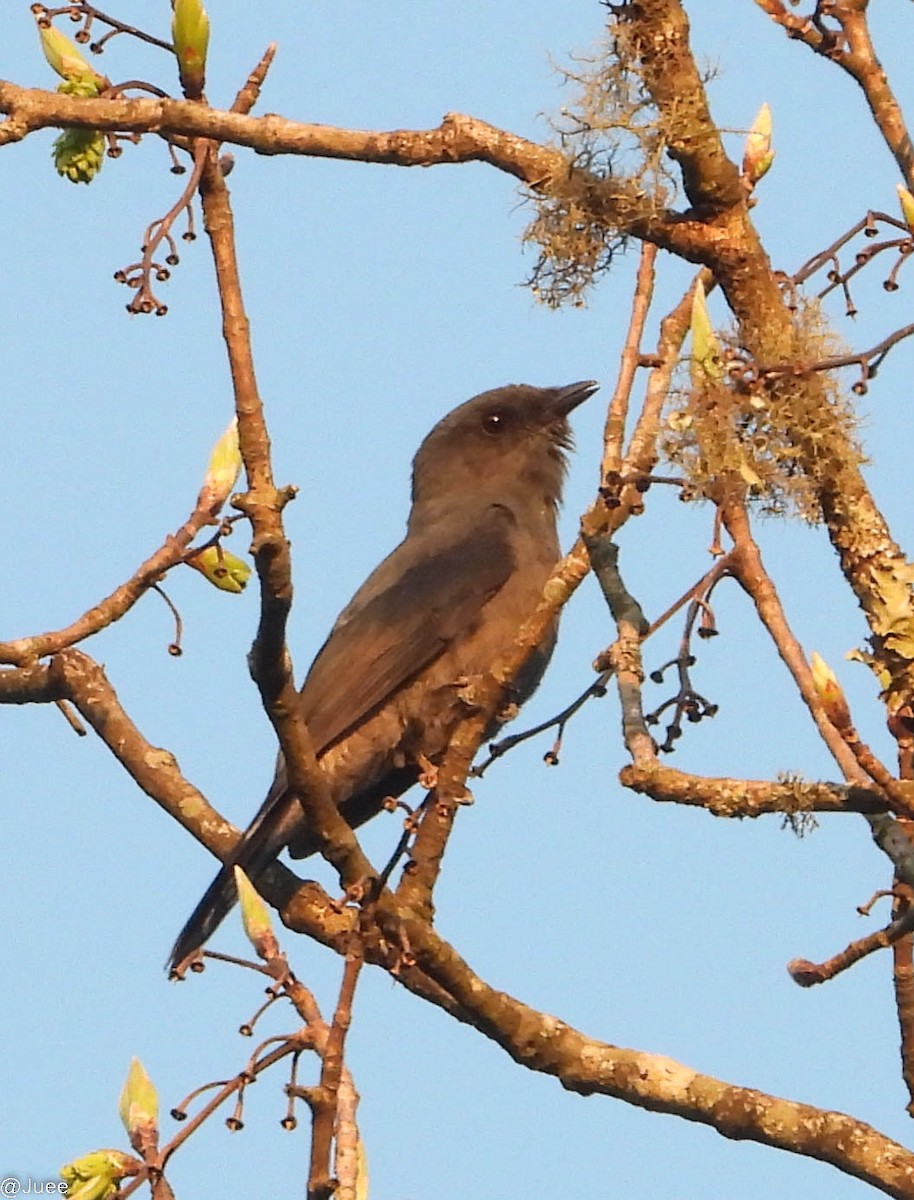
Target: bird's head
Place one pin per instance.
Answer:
(507, 441)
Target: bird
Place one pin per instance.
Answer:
(382, 697)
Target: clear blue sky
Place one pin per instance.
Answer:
(379, 298)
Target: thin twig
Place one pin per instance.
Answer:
(90, 13)
(559, 721)
(250, 93)
(807, 973)
(270, 661)
(71, 718)
(630, 359)
(325, 1112)
(749, 571)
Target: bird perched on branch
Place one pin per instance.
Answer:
(382, 697)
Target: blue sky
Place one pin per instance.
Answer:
(379, 298)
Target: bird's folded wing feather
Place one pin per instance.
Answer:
(383, 641)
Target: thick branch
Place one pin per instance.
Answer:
(543, 1043)
(617, 412)
(661, 41)
(458, 139)
(870, 558)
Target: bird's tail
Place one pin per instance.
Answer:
(264, 839)
(216, 904)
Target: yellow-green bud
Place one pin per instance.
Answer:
(757, 153)
(706, 362)
(828, 689)
(190, 32)
(139, 1108)
(255, 917)
(907, 205)
(222, 471)
(63, 57)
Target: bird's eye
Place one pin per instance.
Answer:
(495, 422)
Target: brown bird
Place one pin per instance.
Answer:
(382, 696)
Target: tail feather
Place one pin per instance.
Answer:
(264, 839)
(217, 902)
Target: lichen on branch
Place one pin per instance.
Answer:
(764, 425)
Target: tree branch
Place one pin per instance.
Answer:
(458, 139)
(543, 1043)
(858, 58)
(270, 662)
(871, 560)
(723, 797)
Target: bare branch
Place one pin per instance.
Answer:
(723, 797)
(543, 1043)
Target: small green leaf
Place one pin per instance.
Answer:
(225, 571)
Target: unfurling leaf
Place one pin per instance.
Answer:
(79, 153)
(96, 1176)
(225, 571)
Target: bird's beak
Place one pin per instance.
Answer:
(568, 398)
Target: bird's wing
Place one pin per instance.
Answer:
(422, 604)
(418, 601)
(403, 616)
